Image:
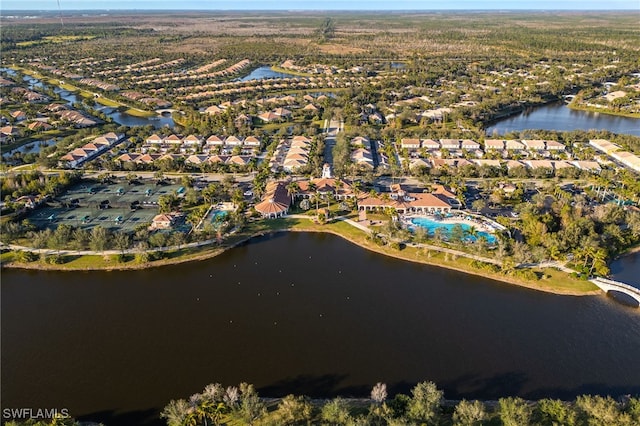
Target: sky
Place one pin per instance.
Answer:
(322, 5)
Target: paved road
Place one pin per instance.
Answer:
(330, 141)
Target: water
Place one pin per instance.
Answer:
(558, 116)
(627, 269)
(218, 216)
(33, 148)
(431, 225)
(264, 73)
(304, 313)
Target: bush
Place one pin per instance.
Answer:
(54, 259)
(26, 256)
(514, 411)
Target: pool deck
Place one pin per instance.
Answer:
(479, 222)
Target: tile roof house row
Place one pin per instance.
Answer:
(195, 159)
(193, 143)
(489, 144)
(614, 151)
(91, 150)
(363, 156)
(291, 154)
(590, 166)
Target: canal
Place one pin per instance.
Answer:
(304, 313)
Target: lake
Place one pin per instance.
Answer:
(558, 116)
(265, 72)
(304, 313)
(627, 269)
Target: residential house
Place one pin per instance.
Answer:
(233, 141)
(534, 145)
(494, 144)
(513, 145)
(555, 146)
(470, 145)
(430, 144)
(450, 144)
(410, 144)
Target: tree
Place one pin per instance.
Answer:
(379, 393)
(176, 412)
(469, 413)
(294, 410)
(98, 240)
(597, 410)
(166, 203)
(327, 29)
(554, 412)
(514, 411)
(251, 408)
(336, 412)
(425, 403)
(121, 241)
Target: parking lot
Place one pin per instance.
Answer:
(117, 205)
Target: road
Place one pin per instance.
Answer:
(330, 140)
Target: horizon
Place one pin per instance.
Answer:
(328, 5)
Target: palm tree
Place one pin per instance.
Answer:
(472, 232)
(292, 189)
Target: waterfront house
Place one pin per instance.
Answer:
(404, 202)
(275, 201)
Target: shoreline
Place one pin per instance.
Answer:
(585, 108)
(628, 252)
(205, 255)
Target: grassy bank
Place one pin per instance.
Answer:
(292, 72)
(549, 280)
(607, 111)
(86, 93)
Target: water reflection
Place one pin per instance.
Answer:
(265, 73)
(302, 313)
(558, 116)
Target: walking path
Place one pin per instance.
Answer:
(351, 222)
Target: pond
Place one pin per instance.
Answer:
(558, 116)
(265, 72)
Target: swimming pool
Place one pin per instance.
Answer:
(431, 225)
(217, 215)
